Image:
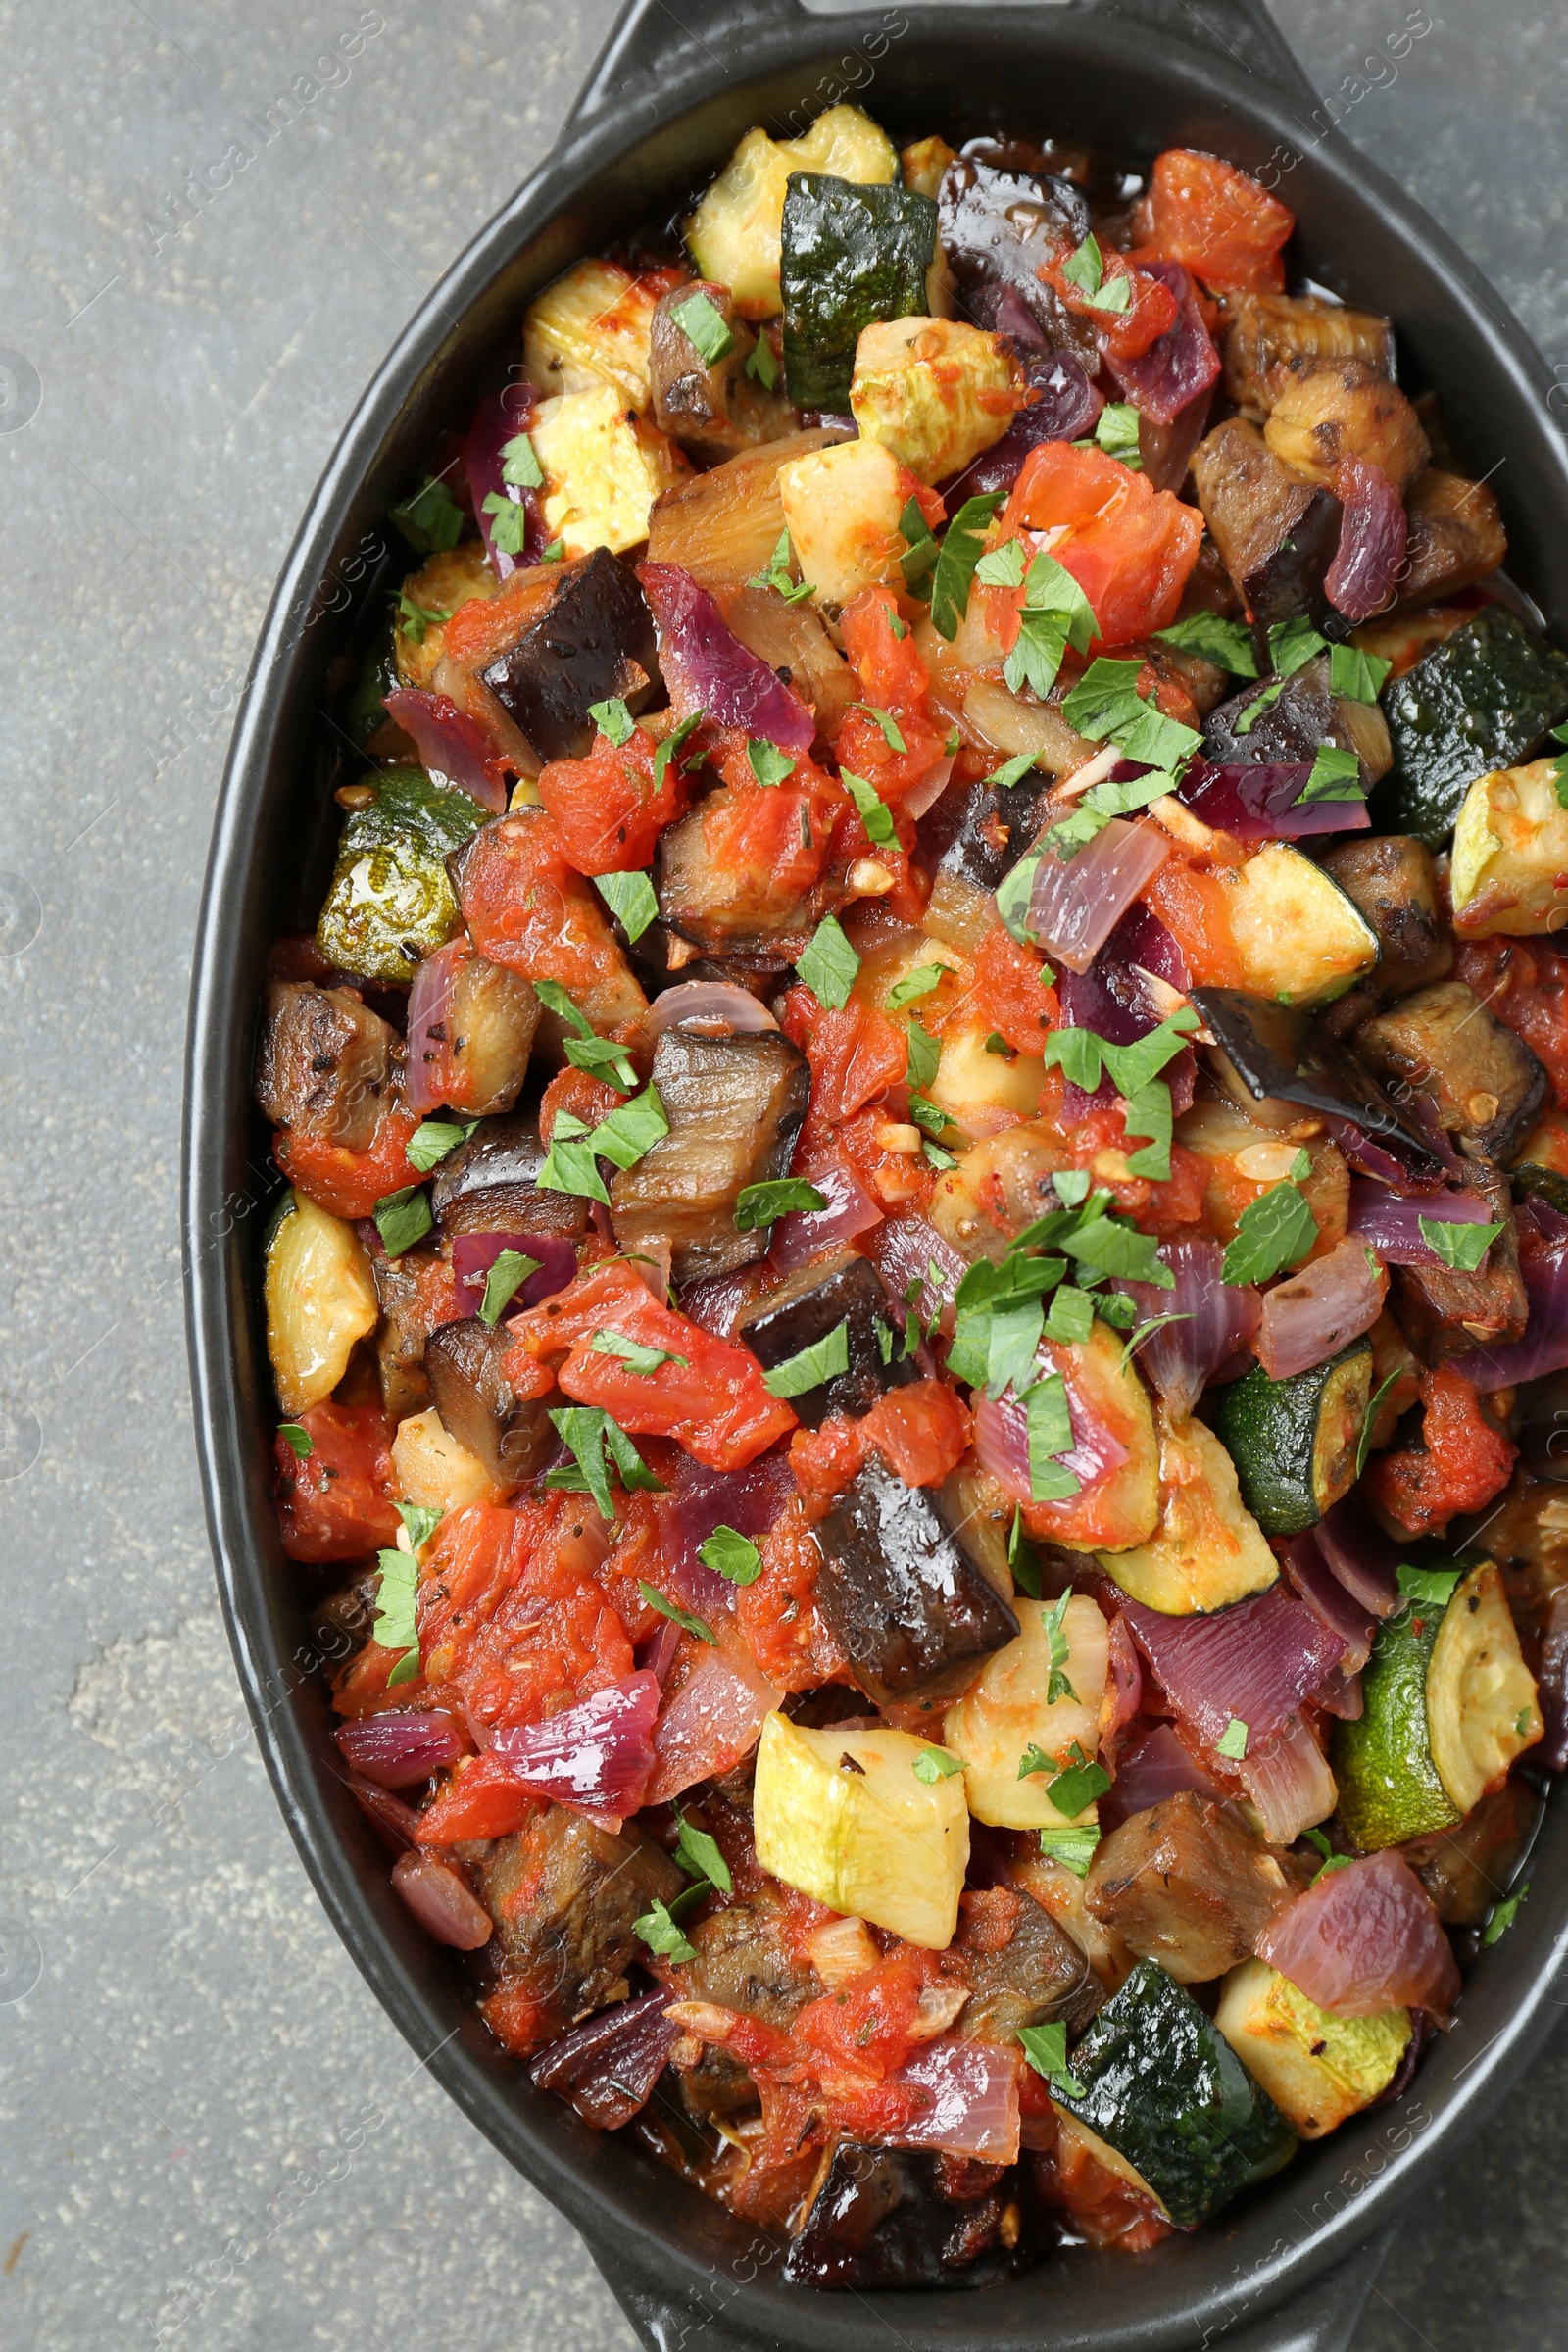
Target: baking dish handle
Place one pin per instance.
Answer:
(649, 37)
(712, 2320)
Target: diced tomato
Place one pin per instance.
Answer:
(486, 625)
(578, 1092)
(1217, 222)
(1011, 992)
(898, 1182)
(607, 809)
(361, 1687)
(771, 843)
(1195, 907)
(526, 907)
(867, 2030)
(349, 1184)
(856, 1053)
(922, 1432)
(1151, 308)
(712, 1402)
(777, 1612)
(482, 1798)
(893, 678)
(1129, 546)
(1462, 1463)
(336, 1504)
(1524, 984)
(520, 2016)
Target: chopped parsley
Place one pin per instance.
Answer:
(1502, 1916)
(506, 1276)
(1054, 1620)
(1273, 1232)
(695, 1626)
(915, 985)
(508, 523)
(1046, 2048)
(402, 1218)
(1085, 268)
(1335, 775)
(921, 550)
(613, 720)
(1117, 433)
(1050, 1428)
(935, 1764)
(1073, 1846)
(1228, 644)
(631, 900)
(1461, 1246)
(761, 365)
(431, 519)
(824, 1360)
(521, 468)
(659, 1931)
(953, 575)
(633, 1354)
(731, 1554)
(1055, 614)
(1291, 644)
(873, 811)
(778, 576)
(598, 1444)
(829, 966)
(1359, 677)
(1435, 1585)
(767, 763)
(1232, 1742)
(701, 323)
(599, 1056)
(697, 1854)
(779, 1196)
(414, 619)
(891, 734)
(675, 742)
(297, 1439)
(434, 1139)
(1081, 1785)
(1369, 1418)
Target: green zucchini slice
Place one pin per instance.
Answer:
(1294, 1440)
(851, 255)
(1482, 1711)
(391, 903)
(1158, 2083)
(1302, 939)
(1207, 1550)
(1390, 1785)
(1481, 700)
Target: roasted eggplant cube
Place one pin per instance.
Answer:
(713, 408)
(1021, 1968)
(1186, 1882)
(490, 1019)
(744, 1962)
(1162, 2087)
(326, 1064)
(735, 1107)
(811, 1304)
(1392, 880)
(1483, 699)
(391, 903)
(978, 833)
(1270, 1053)
(1295, 722)
(593, 641)
(490, 1185)
(907, 1604)
(998, 225)
(889, 2217)
(1276, 532)
(513, 1438)
(851, 255)
(564, 1895)
(1445, 1311)
(1483, 1082)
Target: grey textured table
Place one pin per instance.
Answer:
(210, 2135)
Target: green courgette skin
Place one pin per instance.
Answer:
(1389, 1786)
(391, 902)
(1269, 1427)
(851, 255)
(1481, 699)
(1164, 2087)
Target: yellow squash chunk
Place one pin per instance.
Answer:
(1510, 855)
(452, 577)
(972, 1081)
(936, 391)
(843, 1816)
(1209, 1550)
(591, 327)
(603, 467)
(320, 1301)
(1006, 1710)
(842, 505)
(430, 1467)
(1481, 1696)
(1301, 938)
(1318, 2070)
(737, 231)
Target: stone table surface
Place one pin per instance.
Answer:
(181, 2036)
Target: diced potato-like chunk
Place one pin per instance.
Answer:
(843, 1816)
(430, 1467)
(842, 505)
(1008, 1709)
(736, 233)
(936, 391)
(973, 1082)
(1318, 2070)
(321, 1301)
(923, 164)
(603, 467)
(592, 327)
(1510, 855)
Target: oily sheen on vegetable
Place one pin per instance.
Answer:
(917, 1288)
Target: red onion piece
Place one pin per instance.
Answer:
(454, 748)
(1361, 1555)
(400, 1747)
(430, 1009)
(1288, 1781)
(1314, 1581)
(707, 667)
(1257, 1661)
(1067, 408)
(1364, 575)
(1365, 1939)
(1342, 1695)
(497, 421)
(715, 1719)
(595, 1756)
(1156, 1766)
(719, 1304)
(733, 1010)
(1074, 906)
(973, 2090)
(1262, 801)
(700, 1499)
(905, 1249)
(441, 1902)
(474, 1253)
(1222, 1317)
(1180, 364)
(1112, 998)
(1002, 1442)
(1545, 1346)
(1393, 1226)
(657, 1654)
(398, 1823)
(806, 1234)
(607, 2067)
(918, 798)
(1321, 1308)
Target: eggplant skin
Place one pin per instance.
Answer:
(979, 833)
(490, 1185)
(463, 1363)
(593, 641)
(326, 1065)
(902, 2217)
(735, 1106)
(903, 1600)
(1276, 531)
(808, 1305)
(1483, 1082)
(564, 1895)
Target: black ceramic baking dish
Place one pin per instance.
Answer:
(664, 105)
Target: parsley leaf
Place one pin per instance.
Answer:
(554, 998)
(521, 468)
(1107, 1247)
(777, 576)
(420, 1521)
(921, 554)
(433, 1140)
(677, 1616)
(1049, 1426)
(1273, 1232)
(1358, 676)
(761, 367)
(1436, 1586)
(1071, 1317)
(824, 1360)
(925, 1056)
(297, 1439)
(767, 763)
(508, 523)
(1228, 644)
(891, 734)
(961, 553)
(601, 1057)
(875, 813)
(402, 1218)
(632, 1354)
(1022, 1557)
(1502, 1916)
(662, 1935)
(396, 1626)
(1055, 614)
(1046, 2048)
(1369, 1418)
(1117, 433)
(613, 720)
(1461, 1246)
(935, 1764)
(1145, 1331)
(698, 1853)
(414, 619)
(829, 966)
(595, 1441)
(1054, 1620)
(506, 1276)
(915, 985)
(630, 899)
(1291, 644)
(1082, 1785)
(779, 1196)
(1085, 268)
(731, 1554)
(431, 518)
(1073, 1846)
(701, 323)
(1259, 703)
(1004, 567)
(1014, 894)
(553, 552)
(1232, 1742)
(1335, 775)
(1560, 766)
(675, 742)
(625, 1134)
